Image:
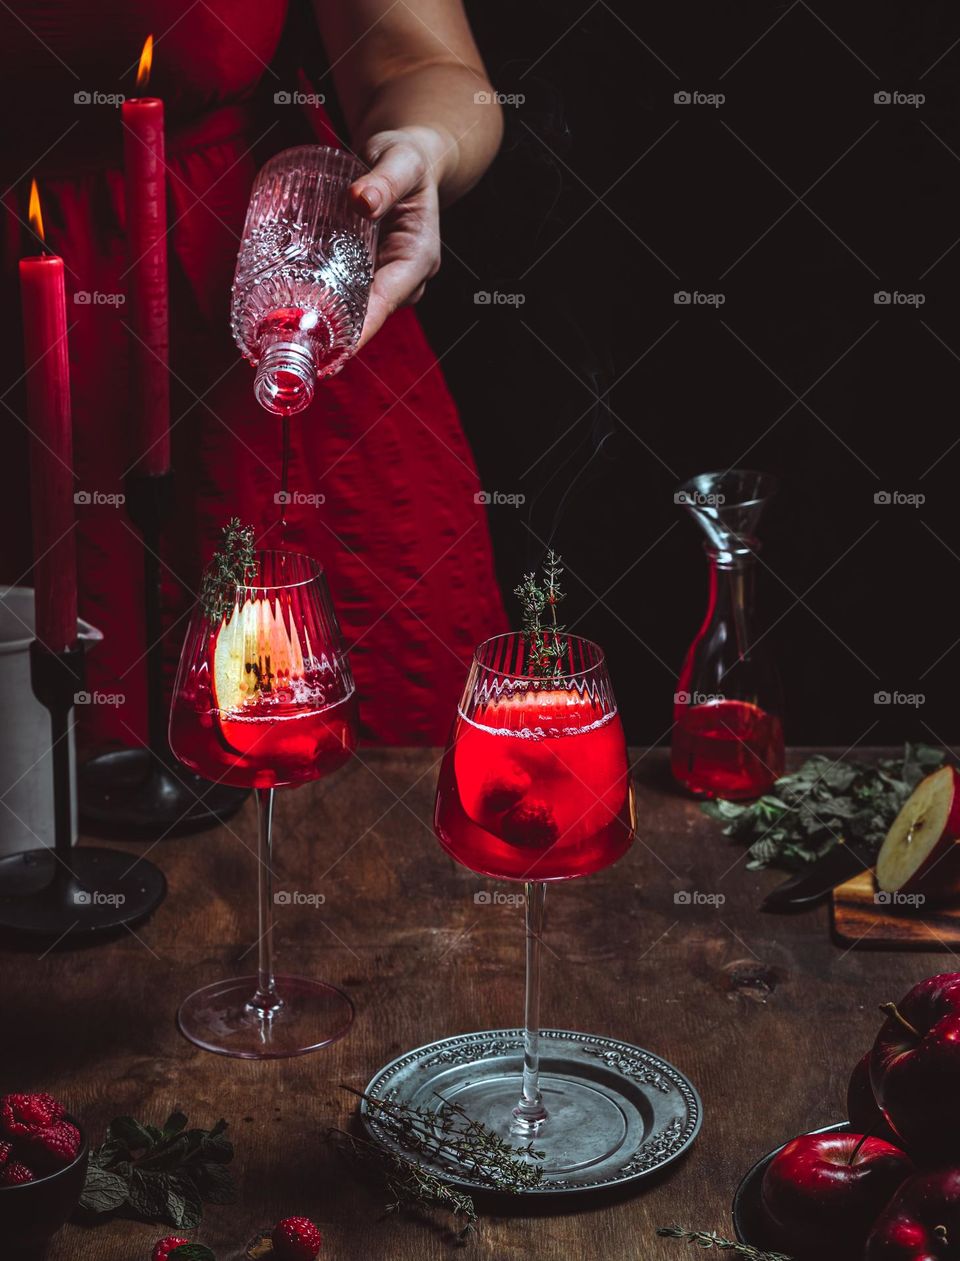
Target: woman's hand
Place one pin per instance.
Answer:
(400, 192)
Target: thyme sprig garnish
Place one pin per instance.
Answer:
(443, 1134)
(710, 1239)
(232, 565)
(410, 1187)
(539, 600)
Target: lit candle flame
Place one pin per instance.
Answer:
(146, 60)
(34, 213)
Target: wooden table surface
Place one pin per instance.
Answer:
(764, 1013)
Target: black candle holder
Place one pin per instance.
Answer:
(67, 891)
(145, 793)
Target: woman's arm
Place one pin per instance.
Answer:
(422, 113)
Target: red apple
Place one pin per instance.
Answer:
(823, 1192)
(915, 1068)
(863, 1111)
(921, 852)
(922, 1221)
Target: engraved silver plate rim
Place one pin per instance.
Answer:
(392, 1076)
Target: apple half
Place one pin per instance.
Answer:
(921, 852)
(254, 649)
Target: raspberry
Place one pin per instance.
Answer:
(530, 825)
(164, 1247)
(296, 1239)
(19, 1114)
(52, 1147)
(13, 1174)
(5, 1150)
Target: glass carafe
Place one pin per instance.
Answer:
(727, 732)
(303, 274)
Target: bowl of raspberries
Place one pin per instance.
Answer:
(43, 1165)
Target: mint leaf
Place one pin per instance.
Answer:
(148, 1194)
(803, 814)
(174, 1123)
(184, 1207)
(216, 1146)
(131, 1133)
(108, 1153)
(191, 1252)
(160, 1175)
(215, 1183)
(103, 1192)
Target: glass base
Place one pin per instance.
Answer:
(615, 1112)
(585, 1125)
(219, 1018)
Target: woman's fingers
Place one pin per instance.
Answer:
(396, 284)
(398, 169)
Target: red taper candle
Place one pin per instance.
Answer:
(44, 305)
(146, 203)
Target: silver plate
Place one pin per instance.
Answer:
(656, 1111)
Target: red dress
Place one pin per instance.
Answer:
(404, 544)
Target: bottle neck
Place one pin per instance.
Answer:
(286, 373)
(731, 592)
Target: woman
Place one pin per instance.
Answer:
(387, 485)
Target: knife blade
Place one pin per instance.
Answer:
(815, 882)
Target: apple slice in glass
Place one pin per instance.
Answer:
(921, 852)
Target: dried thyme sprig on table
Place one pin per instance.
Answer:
(232, 565)
(446, 1133)
(710, 1239)
(539, 599)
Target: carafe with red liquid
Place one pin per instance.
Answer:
(727, 732)
(303, 275)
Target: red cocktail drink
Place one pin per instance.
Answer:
(535, 785)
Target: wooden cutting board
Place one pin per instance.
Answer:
(859, 921)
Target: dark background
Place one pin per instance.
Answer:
(861, 597)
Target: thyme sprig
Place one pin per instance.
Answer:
(710, 1239)
(232, 565)
(410, 1187)
(443, 1134)
(539, 600)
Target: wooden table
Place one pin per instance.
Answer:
(764, 1013)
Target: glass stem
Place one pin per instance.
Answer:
(529, 1114)
(266, 1001)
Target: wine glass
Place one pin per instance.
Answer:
(535, 787)
(264, 697)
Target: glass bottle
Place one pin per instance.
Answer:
(303, 274)
(727, 732)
